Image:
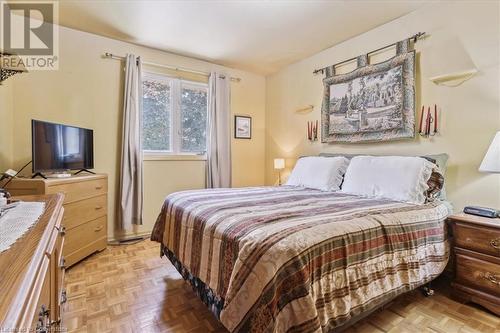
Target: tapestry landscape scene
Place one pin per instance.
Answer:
(369, 103)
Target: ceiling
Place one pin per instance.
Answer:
(258, 36)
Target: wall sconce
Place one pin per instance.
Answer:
(279, 164)
(428, 122)
(305, 110)
(10, 65)
(445, 61)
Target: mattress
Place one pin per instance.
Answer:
(289, 259)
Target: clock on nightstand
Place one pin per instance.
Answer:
(476, 246)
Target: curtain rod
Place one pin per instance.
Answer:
(415, 38)
(175, 68)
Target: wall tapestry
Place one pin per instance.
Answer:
(373, 102)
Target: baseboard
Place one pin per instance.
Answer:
(129, 238)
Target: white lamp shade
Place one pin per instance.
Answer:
(491, 161)
(279, 163)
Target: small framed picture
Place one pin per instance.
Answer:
(242, 127)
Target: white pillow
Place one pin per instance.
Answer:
(400, 178)
(322, 173)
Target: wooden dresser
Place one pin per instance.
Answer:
(32, 274)
(85, 205)
(477, 260)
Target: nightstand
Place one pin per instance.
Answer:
(477, 260)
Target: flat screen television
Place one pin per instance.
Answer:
(57, 147)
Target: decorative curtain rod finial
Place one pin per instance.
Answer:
(107, 55)
(317, 71)
(417, 36)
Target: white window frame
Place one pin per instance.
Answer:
(176, 85)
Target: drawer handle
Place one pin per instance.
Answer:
(98, 187)
(62, 264)
(44, 312)
(62, 231)
(64, 297)
(98, 207)
(495, 243)
(43, 320)
(491, 277)
(99, 228)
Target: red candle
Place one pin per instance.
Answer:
(421, 120)
(435, 118)
(428, 123)
(316, 131)
(308, 130)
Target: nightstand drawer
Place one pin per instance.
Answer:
(478, 238)
(482, 274)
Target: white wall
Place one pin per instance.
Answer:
(470, 113)
(86, 91)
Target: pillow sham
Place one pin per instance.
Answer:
(322, 173)
(400, 178)
(439, 159)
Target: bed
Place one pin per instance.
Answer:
(291, 259)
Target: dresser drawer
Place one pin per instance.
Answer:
(60, 272)
(80, 190)
(479, 273)
(84, 234)
(478, 238)
(80, 212)
(42, 299)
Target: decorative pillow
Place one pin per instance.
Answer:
(400, 178)
(322, 173)
(435, 183)
(441, 161)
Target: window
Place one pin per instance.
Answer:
(174, 115)
(156, 114)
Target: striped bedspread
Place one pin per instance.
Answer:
(286, 259)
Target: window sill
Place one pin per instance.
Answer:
(174, 157)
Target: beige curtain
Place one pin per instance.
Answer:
(131, 177)
(219, 131)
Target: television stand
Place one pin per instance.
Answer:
(38, 174)
(84, 170)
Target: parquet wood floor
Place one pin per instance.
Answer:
(129, 288)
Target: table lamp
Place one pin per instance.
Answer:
(490, 164)
(279, 164)
(491, 161)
